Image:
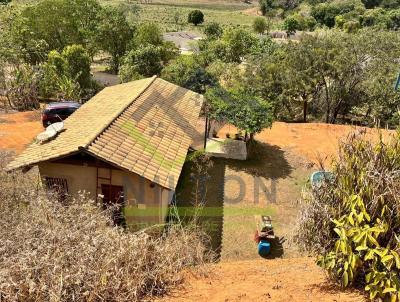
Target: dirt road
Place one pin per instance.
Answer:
(278, 280)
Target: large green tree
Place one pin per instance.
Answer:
(241, 108)
(114, 34)
(54, 24)
(187, 72)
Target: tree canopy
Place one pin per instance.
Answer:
(196, 17)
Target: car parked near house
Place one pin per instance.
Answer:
(58, 111)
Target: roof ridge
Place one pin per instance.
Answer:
(91, 140)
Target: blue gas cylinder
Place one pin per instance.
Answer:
(264, 248)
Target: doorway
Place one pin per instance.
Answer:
(114, 197)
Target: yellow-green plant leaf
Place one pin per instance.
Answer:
(389, 290)
(345, 279)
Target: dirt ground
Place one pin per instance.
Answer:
(313, 141)
(278, 280)
(18, 129)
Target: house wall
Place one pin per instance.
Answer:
(145, 203)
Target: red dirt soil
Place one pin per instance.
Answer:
(313, 141)
(278, 280)
(18, 129)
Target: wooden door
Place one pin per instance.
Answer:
(114, 196)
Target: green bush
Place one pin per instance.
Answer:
(325, 13)
(196, 17)
(351, 26)
(260, 25)
(213, 30)
(67, 75)
(353, 221)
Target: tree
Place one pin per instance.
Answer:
(325, 13)
(186, 71)
(196, 17)
(21, 87)
(114, 35)
(77, 65)
(4, 2)
(149, 33)
(260, 25)
(66, 75)
(241, 108)
(265, 6)
(291, 25)
(142, 62)
(371, 3)
(56, 24)
(213, 31)
(237, 42)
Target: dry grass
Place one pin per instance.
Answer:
(364, 167)
(57, 252)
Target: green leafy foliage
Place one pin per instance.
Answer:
(149, 54)
(361, 215)
(114, 34)
(54, 24)
(196, 17)
(241, 108)
(145, 61)
(186, 71)
(260, 25)
(213, 30)
(66, 75)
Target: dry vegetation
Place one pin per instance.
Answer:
(353, 220)
(70, 252)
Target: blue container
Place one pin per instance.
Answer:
(264, 248)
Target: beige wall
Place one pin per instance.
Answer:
(145, 204)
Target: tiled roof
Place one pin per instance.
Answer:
(144, 126)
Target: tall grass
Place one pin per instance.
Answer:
(71, 252)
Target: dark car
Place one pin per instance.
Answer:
(57, 112)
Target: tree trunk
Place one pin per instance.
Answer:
(305, 107)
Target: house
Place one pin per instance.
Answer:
(127, 144)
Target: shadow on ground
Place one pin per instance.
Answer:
(265, 160)
(228, 224)
(211, 217)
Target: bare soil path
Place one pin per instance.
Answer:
(279, 280)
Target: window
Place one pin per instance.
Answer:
(57, 185)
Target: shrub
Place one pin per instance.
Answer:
(213, 30)
(78, 65)
(353, 221)
(21, 87)
(185, 71)
(265, 6)
(325, 13)
(143, 62)
(149, 33)
(67, 75)
(371, 3)
(260, 25)
(196, 17)
(70, 252)
(351, 26)
(291, 25)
